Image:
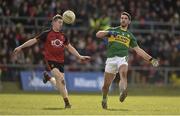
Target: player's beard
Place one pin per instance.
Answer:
(124, 25)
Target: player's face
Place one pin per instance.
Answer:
(58, 24)
(124, 20)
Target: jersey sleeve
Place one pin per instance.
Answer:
(109, 29)
(133, 42)
(42, 36)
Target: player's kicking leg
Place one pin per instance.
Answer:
(60, 85)
(108, 78)
(123, 82)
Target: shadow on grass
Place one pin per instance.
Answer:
(113, 109)
(53, 108)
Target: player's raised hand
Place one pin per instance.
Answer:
(85, 58)
(154, 62)
(17, 50)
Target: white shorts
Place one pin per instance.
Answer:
(113, 64)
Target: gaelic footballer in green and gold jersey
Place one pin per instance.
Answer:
(120, 44)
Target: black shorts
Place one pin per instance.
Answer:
(52, 64)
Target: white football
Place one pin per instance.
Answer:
(69, 17)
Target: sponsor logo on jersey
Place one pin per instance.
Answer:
(57, 43)
(121, 39)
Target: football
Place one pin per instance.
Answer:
(69, 17)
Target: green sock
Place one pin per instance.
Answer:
(104, 98)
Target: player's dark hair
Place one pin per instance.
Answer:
(127, 14)
(56, 17)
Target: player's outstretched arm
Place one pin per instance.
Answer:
(102, 34)
(26, 44)
(146, 56)
(73, 51)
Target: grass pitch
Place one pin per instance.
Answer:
(163, 102)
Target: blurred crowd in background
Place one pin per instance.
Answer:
(164, 46)
(153, 10)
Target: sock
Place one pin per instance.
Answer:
(104, 98)
(48, 77)
(66, 101)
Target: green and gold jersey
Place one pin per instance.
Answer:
(119, 45)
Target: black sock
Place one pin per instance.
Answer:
(66, 101)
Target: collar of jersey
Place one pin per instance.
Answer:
(123, 29)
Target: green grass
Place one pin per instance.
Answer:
(87, 104)
(141, 100)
